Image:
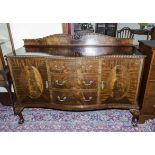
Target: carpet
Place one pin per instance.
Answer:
(48, 120)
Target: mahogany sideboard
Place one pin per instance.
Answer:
(147, 95)
(77, 73)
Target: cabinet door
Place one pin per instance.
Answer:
(30, 79)
(120, 80)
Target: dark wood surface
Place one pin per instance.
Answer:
(147, 95)
(148, 43)
(79, 51)
(5, 99)
(141, 32)
(152, 33)
(89, 39)
(106, 73)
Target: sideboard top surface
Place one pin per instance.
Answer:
(76, 52)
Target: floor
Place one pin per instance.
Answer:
(48, 120)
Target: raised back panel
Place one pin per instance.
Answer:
(89, 39)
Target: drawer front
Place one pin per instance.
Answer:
(73, 66)
(150, 89)
(67, 98)
(154, 58)
(62, 66)
(88, 98)
(74, 98)
(149, 105)
(87, 82)
(152, 74)
(87, 66)
(63, 82)
(72, 82)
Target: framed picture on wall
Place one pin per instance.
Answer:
(77, 28)
(80, 28)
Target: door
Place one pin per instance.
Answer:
(120, 80)
(30, 79)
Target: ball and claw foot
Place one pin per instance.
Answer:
(134, 121)
(135, 116)
(21, 119)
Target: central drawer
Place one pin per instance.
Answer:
(149, 106)
(63, 82)
(62, 66)
(87, 66)
(74, 82)
(74, 97)
(73, 66)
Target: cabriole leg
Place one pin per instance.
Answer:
(21, 119)
(18, 112)
(135, 117)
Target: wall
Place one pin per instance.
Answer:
(36, 30)
(121, 25)
(22, 31)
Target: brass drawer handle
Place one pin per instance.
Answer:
(87, 84)
(59, 68)
(102, 85)
(154, 106)
(46, 84)
(60, 83)
(88, 100)
(61, 100)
